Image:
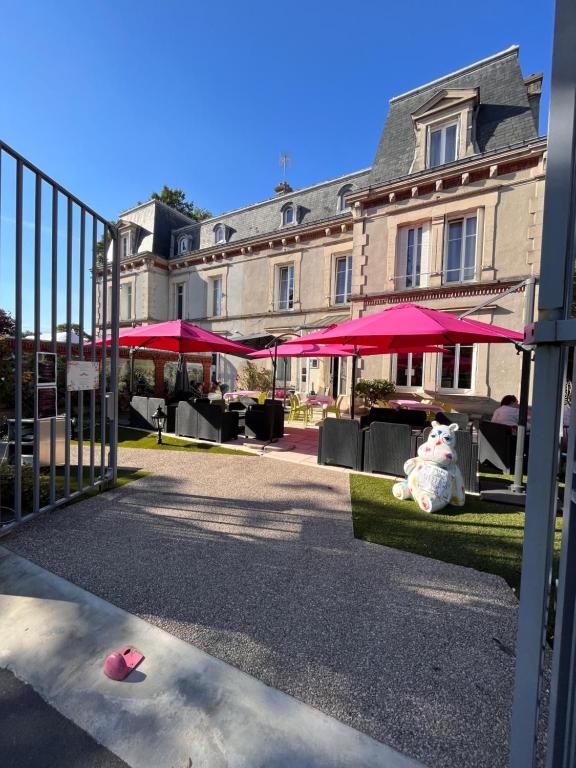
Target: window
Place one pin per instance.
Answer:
(409, 369)
(179, 301)
(126, 302)
(125, 246)
(220, 234)
(216, 296)
(343, 280)
(412, 263)
(184, 245)
(286, 287)
(457, 367)
(461, 250)
(342, 204)
(442, 145)
(284, 369)
(288, 215)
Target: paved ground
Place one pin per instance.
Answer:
(35, 735)
(254, 561)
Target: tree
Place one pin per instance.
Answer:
(7, 324)
(75, 328)
(251, 377)
(176, 198)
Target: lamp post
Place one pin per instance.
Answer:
(159, 419)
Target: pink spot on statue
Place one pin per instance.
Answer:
(427, 449)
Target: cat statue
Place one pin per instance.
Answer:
(433, 479)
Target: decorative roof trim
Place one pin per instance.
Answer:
(513, 50)
(442, 292)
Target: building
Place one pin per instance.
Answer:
(449, 214)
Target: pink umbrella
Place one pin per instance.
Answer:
(406, 324)
(178, 336)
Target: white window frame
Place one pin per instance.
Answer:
(126, 288)
(125, 246)
(347, 279)
(177, 287)
(419, 280)
(214, 281)
(453, 220)
(184, 245)
(219, 234)
(278, 301)
(342, 206)
(285, 209)
(457, 389)
(409, 385)
(442, 127)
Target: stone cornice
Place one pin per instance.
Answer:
(442, 292)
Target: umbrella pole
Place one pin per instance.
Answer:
(354, 361)
(274, 364)
(131, 374)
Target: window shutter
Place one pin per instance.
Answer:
(400, 271)
(425, 258)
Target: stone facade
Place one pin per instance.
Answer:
(449, 215)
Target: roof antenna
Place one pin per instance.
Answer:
(284, 161)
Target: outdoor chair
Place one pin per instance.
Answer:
(462, 419)
(497, 444)
(341, 443)
(262, 397)
(387, 447)
(240, 409)
(297, 408)
(215, 423)
(265, 421)
(139, 412)
(414, 419)
(467, 451)
(335, 409)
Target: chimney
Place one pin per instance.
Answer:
(533, 85)
(283, 188)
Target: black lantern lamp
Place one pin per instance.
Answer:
(159, 419)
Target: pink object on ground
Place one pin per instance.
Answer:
(177, 336)
(405, 325)
(119, 664)
(414, 405)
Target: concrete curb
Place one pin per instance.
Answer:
(180, 704)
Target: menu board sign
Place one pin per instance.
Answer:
(82, 375)
(46, 403)
(45, 368)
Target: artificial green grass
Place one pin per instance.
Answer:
(135, 438)
(480, 535)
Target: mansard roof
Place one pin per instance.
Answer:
(314, 204)
(503, 116)
(155, 221)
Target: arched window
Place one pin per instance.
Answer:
(184, 245)
(288, 215)
(342, 204)
(220, 233)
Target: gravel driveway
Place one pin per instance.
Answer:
(254, 561)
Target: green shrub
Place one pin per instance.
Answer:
(7, 487)
(374, 390)
(253, 378)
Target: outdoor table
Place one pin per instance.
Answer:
(317, 400)
(415, 405)
(241, 393)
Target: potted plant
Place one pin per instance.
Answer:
(374, 390)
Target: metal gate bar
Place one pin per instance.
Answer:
(73, 274)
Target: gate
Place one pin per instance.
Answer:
(59, 295)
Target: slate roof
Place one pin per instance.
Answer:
(316, 203)
(504, 116)
(155, 221)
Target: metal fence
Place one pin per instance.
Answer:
(553, 334)
(58, 261)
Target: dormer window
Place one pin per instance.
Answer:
(184, 245)
(288, 215)
(220, 233)
(342, 204)
(442, 144)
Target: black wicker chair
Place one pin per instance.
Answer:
(215, 423)
(414, 419)
(462, 419)
(467, 451)
(240, 409)
(341, 443)
(497, 444)
(265, 421)
(387, 447)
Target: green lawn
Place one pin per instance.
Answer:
(136, 438)
(481, 535)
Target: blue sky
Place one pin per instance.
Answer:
(116, 98)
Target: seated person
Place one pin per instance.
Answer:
(507, 413)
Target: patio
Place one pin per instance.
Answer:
(266, 575)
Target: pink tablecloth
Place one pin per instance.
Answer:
(241, 393)
(318, 400)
